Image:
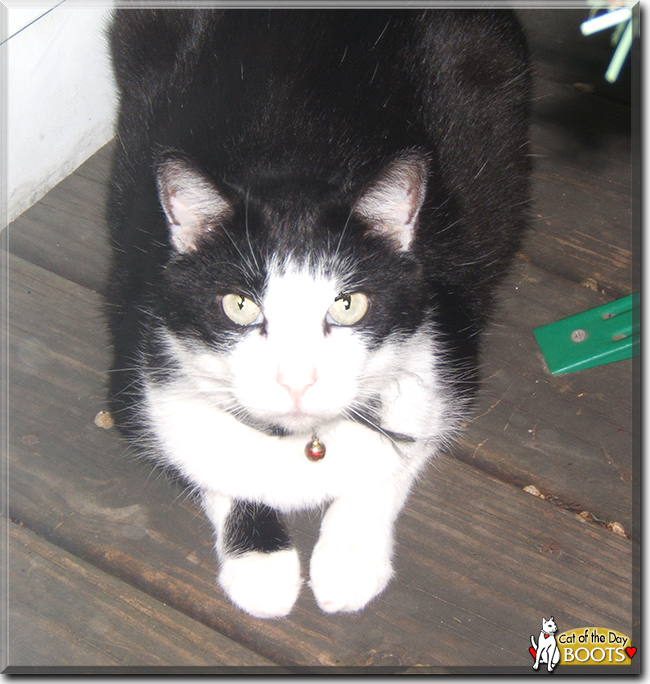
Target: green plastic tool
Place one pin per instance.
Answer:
(595, 337)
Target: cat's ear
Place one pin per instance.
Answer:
(193, 206)
(392, 201)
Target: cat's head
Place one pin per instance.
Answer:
(549, 626)
(288, 300)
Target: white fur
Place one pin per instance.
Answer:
(364, 474)
(216, 507)
(295, 346)
(219, 453)
(266, 585)
(351, 563)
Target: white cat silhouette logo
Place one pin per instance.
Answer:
(547, 651)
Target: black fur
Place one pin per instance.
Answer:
(291, 114)
(254, 527)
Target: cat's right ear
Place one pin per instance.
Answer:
(391, 203)
(194, 207)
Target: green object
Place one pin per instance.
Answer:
(624, 45)
(595, 337)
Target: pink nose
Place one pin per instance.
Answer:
(296, 382)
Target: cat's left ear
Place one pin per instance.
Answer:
(192, 204)
(392, 201)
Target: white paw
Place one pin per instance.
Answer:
(266, 585)
(345, 577)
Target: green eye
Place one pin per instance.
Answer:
(240, 309)
(348, 309)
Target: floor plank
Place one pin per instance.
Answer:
(569, 435)
(65, 612)
(582, 147)
(582, 189)
(65, 232)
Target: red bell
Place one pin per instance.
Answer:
(315, 450)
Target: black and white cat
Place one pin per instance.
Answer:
(310, 211)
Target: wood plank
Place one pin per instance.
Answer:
(582, 193)
(569, 435)
(65, 231)
(63, 612)
(462, 564)
(581, 142)
(97, 167)
(472, 553)
(68, 244)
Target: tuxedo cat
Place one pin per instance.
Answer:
(309, 213)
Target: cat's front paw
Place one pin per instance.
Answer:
(266, 585)
(346, 577)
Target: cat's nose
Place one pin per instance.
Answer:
(296, 381)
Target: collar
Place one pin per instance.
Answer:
(278, 431)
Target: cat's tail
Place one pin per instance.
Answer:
(533, 649)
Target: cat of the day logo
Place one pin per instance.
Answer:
(582, 646)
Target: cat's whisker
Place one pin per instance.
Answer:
(248, 237)
(245, 260)
(125, 390)
(345, 226)
(448, 227)
(375, 426)
(228, 405)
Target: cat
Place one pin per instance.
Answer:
(309, 213)
(547, 652)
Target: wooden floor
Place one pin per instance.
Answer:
(111, 566)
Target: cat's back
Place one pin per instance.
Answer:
(329, 89)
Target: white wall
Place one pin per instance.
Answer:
(60, 95)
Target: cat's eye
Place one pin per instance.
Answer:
(348, 309)
(241, 310)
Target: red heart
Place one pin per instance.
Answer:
(533, 652)
(630, 650)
